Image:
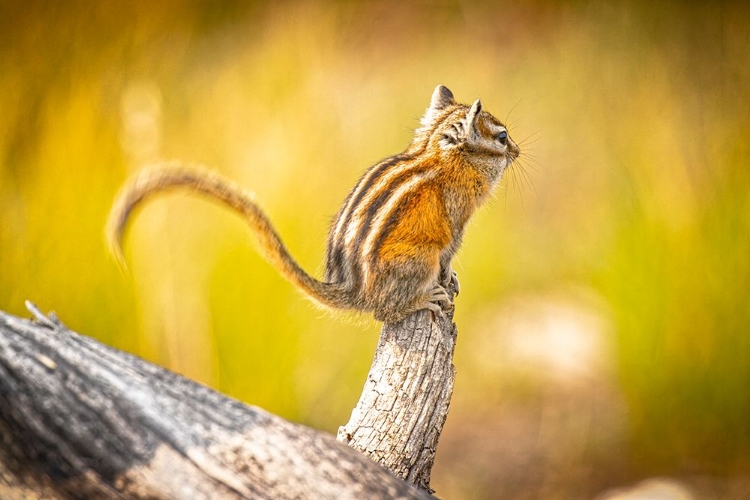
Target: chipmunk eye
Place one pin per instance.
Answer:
(502, 137)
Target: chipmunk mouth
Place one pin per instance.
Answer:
(513, 153)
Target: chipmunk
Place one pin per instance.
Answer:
(391, 244)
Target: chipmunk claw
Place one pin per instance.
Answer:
(449, 279)
(438, 295)
(435, 309)
(454, 281)
(437, 301)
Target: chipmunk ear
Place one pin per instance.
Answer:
(442, 97)
(466, 128)
(471, 116)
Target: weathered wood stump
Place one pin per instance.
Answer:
(406, 397)
(82, 420)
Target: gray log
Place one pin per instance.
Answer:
(82, 420)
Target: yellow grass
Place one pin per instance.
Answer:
(634, 187)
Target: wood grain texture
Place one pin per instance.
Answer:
(81, 420)
(400, 414)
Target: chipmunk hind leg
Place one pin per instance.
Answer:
(404, 289)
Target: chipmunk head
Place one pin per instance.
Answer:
(466, 132)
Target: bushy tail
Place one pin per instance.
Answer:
(168, 176)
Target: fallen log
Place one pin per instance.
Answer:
(79, 419)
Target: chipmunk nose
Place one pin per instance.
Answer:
(513, 150)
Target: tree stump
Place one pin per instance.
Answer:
(406, 397)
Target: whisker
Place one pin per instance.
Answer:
(511, 110)
(526, 139)
(528, 163)
(505, 187)
(529, 179)
(520, 195)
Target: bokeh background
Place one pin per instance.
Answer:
(604, 318)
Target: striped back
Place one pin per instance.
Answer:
(455, 158)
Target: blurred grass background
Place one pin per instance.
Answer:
(604, 313)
